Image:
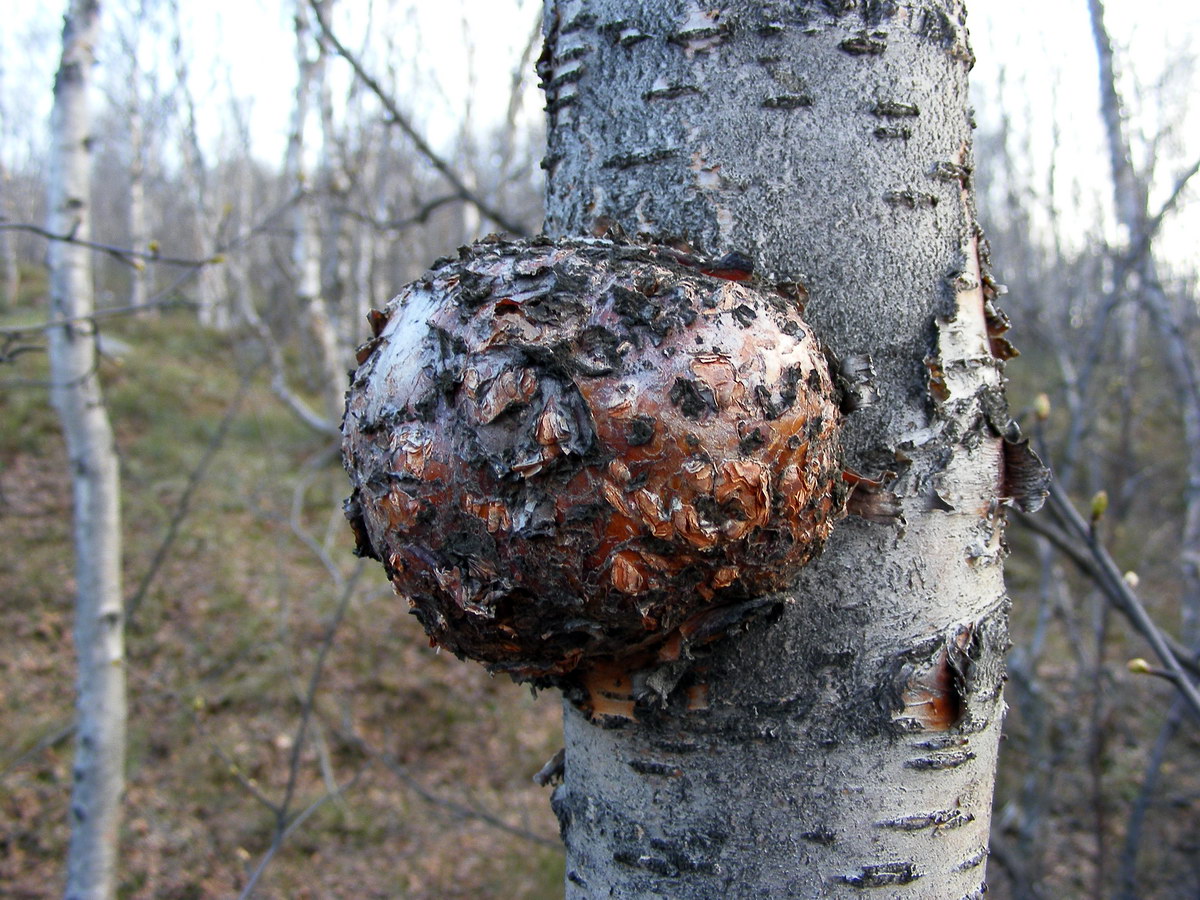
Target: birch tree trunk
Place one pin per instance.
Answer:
(98, 773)
(852, 744)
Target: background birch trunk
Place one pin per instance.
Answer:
(852, 744)
(10, 273)
(98, 774)
(139, 238)
(307, 237)
(212, 305)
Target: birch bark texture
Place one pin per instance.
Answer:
(848, 749)
(99, 769)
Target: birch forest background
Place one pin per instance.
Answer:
(289, 732)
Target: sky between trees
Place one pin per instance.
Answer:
(1034, 59)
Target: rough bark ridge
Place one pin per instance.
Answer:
(850, 746)
(98, 772)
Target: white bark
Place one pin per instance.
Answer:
(211, 298)
(98, 774)
(10, 273)
(306, 241)
(851, 745)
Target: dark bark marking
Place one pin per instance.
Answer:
(568, 77)
(882, 875)
(670, 92)
(940, 819)
(891, 132)
(951, 172)
(640, 431)
(650, 767)
(710, 36)
(864, 44)
(788, 101)
(891, 109)
(910, 199)
(949, 759)
(694, 398)
(628, 160)
(558, 104)
(973, 861)
(839, 7)
(624, 33)
(580, 22)
(820, 835)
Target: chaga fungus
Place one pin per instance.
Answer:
(565, 453)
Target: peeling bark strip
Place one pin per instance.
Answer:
(812, 731)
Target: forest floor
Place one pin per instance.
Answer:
(414, 773)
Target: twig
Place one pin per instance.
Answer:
(283, 835)
(457, 809)
(1154, 223)
(183, 506)
(164, 298)
(403, 123)
(313, 683)
(97, 316)
(45, 742)
(1098, 564)
(1086, 563)
(1127, 873)
(251, 787)
(284, 825)
(126, 255)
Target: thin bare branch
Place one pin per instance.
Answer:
(1084, 558)
(402, 121)
(52, 738)
(183, 506)
(164, 298)
(285, 823)
(1154, 223)
(420, 217)
(127, 255)
(295, 823)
